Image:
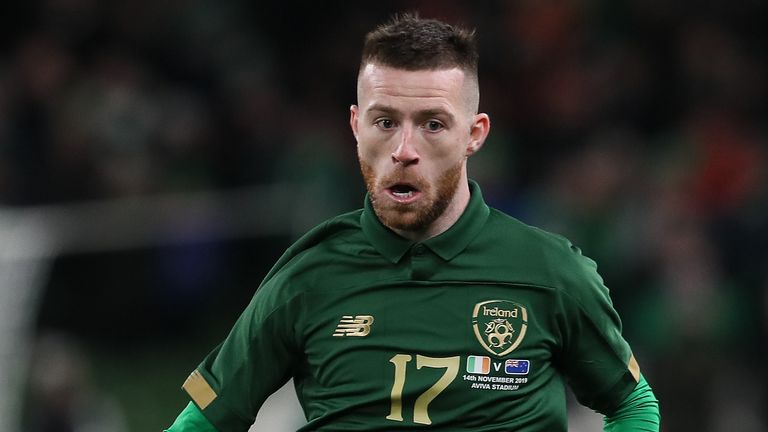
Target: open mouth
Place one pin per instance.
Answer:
(403, 192)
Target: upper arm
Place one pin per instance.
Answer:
(255, 359)
(595, 358)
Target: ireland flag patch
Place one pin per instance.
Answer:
(478, 364)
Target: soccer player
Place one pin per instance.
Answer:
(425, 308)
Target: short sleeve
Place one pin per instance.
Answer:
(255, 359)
(595, 358)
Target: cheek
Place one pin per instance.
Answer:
(364, 153)
(371, 150)
(446, 150)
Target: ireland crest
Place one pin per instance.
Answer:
(499, 325)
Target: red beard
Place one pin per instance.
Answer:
(417, 216)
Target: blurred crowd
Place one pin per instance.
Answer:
(636, 128)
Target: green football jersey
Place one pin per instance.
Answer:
(478, 328)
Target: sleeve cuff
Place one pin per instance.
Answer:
(191, 419)
(638, 412)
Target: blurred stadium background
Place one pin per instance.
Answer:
(156, 157)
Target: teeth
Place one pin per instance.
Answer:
(403, 194)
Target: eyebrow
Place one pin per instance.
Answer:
(429, 112)
(381, 108)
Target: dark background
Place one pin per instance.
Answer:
(635, 128)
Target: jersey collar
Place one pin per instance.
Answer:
(446, 245)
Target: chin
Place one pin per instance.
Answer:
(397, 216)
(409, 221)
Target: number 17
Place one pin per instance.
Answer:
(420, 413)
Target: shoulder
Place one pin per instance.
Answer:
(542, 256)
(339, 229)
(284, 286)
(523, 239)
(318, 245)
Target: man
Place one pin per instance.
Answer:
(426, 308)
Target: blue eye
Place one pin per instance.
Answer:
(385, 123)
(433, 126)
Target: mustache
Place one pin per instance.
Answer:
(399, 176)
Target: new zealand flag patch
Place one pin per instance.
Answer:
(517, 367)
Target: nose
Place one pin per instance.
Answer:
(405, 153)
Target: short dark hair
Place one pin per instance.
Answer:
(413, 43)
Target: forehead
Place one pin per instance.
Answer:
(381, 84)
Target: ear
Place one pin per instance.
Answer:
(353, 117)
(481, 125)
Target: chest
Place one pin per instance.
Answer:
(452, 343)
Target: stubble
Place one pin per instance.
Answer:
(417, 216)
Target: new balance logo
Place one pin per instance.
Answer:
(360, 325)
